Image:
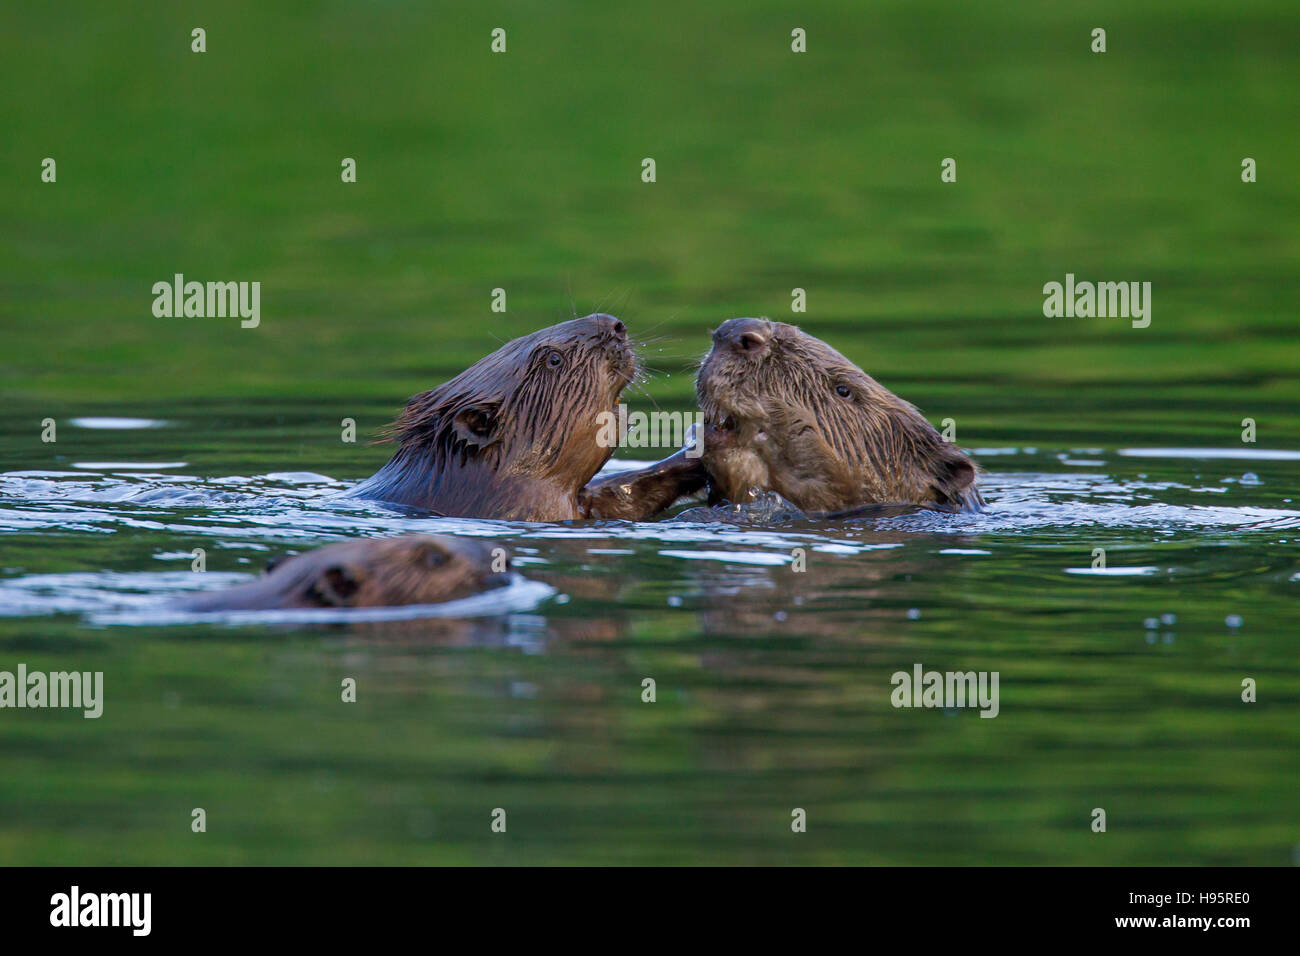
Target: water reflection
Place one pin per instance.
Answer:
(770, 642)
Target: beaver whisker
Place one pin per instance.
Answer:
(665, 320)
(568, 292)
(648, 340)
(648, 397)
(684, 362)
(642, 346)
(663, 352)
(627, 291)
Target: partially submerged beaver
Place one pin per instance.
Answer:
(369, 572)
(785, 412)
(515, 436)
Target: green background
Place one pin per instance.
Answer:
(775, 170)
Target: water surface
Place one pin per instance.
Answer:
(1119, 684)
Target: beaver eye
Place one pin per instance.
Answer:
(435, 558)
(554, 359)
(843, 391)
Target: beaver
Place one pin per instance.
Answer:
(785, 412)
(369, 572)
(517, 435)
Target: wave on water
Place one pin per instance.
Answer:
(299, 510)
(145, 598)
(293, 506)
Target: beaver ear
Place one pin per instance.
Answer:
(954, 479)
(476, 424)
(335, 587)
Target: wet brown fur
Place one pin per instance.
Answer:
(369, 572)
(775, 422)
(514, 436)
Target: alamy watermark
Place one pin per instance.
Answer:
(1102, 300)
(75, 909)
(210, 300)
(624, 429)
(36, 689)
(948, 689)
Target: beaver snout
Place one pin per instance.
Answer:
(609, 335)
(497, 579)
(744, 336)
(608, 326)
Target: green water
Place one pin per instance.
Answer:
(774, 171)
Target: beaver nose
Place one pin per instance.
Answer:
(610, 324)
(743, 335)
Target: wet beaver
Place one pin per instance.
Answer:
(369, 572)
(516, 435)
(785, 412)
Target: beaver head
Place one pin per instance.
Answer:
(370, 572)
(517, 434)
(785, 412)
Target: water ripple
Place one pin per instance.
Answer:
(1173, 498)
